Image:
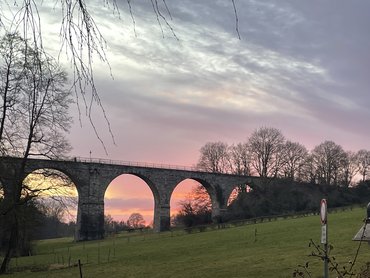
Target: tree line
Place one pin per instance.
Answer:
(267, 153)
(277, 196)
(296, 178)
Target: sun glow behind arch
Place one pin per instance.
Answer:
(128, 194)
(52, 186)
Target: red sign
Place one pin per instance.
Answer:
(323, 211)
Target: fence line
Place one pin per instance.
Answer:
(265, 219)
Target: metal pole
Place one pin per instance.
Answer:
(324, 234)
(80, 268)
(326, 268)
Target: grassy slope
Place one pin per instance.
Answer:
(279, 247)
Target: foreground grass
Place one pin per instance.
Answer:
(272, 249)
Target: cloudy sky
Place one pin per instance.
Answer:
(300, 66)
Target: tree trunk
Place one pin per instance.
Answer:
(11, 244)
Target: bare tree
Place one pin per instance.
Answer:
(350, 168)
(363, 159)
(214, 157)
(308, 170)
(34, 111)
(136, 221)
(11, 70)
(34, 119)
(200, 199)
(329, 160)
(195, 209)
(294, 155)
(265, 149)
(239, 158)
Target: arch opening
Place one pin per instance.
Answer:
(239, 205)
(237, 192)
(191, 204)
(129, 203)
(53, 200)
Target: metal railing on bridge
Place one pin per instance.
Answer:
(129, 163)
(133, 163)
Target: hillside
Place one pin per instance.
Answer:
(271, 249)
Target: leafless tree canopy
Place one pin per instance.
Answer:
(363, 161)
(195, 208)
(136, 221)
(240, 159)
(328, 158)
(295, 156)
(265, 147)
(267, 153)
(34, 103)
(214, 158)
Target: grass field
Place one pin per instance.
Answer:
(271, 249)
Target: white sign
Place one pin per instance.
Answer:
(323, 211)
(324, 234)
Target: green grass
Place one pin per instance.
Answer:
(235, 252)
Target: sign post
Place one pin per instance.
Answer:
(324, 233)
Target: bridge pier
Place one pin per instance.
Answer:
(90, 221)
(219, 215)
(91, 186)
(162, 218)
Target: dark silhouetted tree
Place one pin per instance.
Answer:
(329, 160)
(350, 168)
(239, 159)
(195, 209)
(295, 157)
(136, 221)
(214, 157)
(363, 159)
(265, 149)
(34, 119)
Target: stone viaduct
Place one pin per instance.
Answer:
(92, 177)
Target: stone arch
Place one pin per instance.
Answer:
(51, 187)
(147, 181)
(211, 190)
(237, 190)
(230, 189)
(153, 188)
(59, 184)
(69, 175)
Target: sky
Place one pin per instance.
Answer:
(299, 66)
